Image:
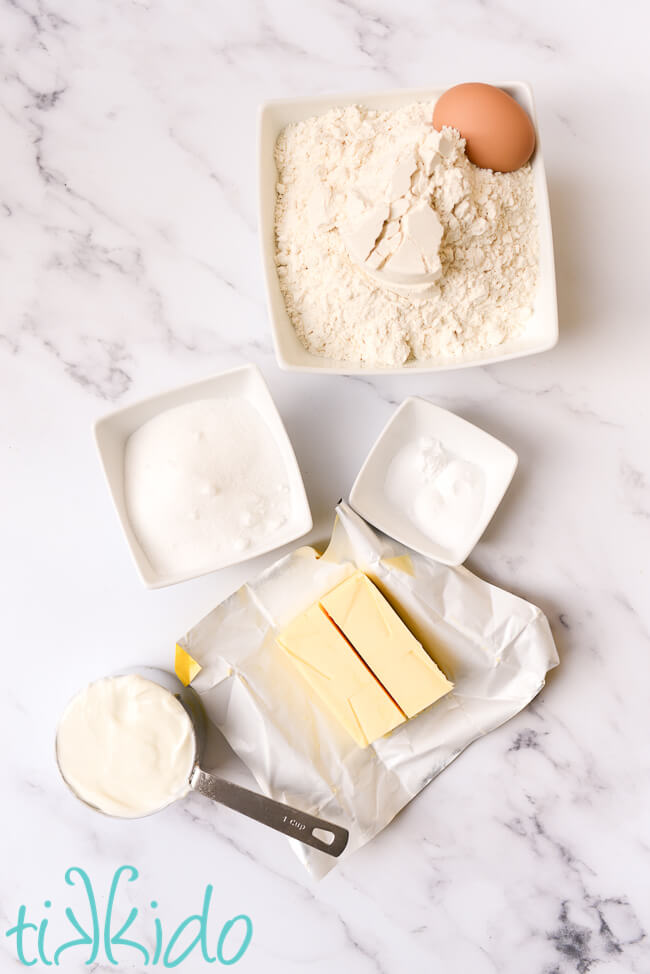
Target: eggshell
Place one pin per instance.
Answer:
(498, 133)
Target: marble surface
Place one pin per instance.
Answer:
(129, 263)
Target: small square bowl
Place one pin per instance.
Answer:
(113, 431)
(419, 417)
(541, 330)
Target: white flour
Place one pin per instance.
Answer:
(332, 170)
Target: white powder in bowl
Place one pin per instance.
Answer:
(334, 170)
(442, 494)
(204, 482)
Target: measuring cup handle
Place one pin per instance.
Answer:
(283, 818)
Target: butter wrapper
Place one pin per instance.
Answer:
(495, 647)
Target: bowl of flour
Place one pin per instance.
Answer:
(386, 250)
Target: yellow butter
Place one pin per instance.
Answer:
(340, 678)
(186, 668)
(383, 641)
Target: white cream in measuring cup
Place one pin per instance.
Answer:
(129, 746)
(126, 746)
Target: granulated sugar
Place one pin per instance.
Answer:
(333, 170)
(203, 481)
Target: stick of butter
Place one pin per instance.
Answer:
(383, 641)
(339, 676)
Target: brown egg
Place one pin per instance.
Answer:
(499, 134)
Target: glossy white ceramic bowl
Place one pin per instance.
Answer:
(415, 418)
(541, 332)
(113, 431)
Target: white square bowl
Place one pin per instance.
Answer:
(541, 330)
(113, 431)
(418, 417)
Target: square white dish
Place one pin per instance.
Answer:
(415, 418)
(541, 331)
(112, 432)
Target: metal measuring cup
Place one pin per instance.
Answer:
(312, 831)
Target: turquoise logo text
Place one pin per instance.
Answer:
(135, 936)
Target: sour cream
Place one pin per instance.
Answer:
(126, 746)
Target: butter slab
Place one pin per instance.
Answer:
(382, 640)
(340, 678)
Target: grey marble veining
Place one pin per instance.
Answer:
(130, 263)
